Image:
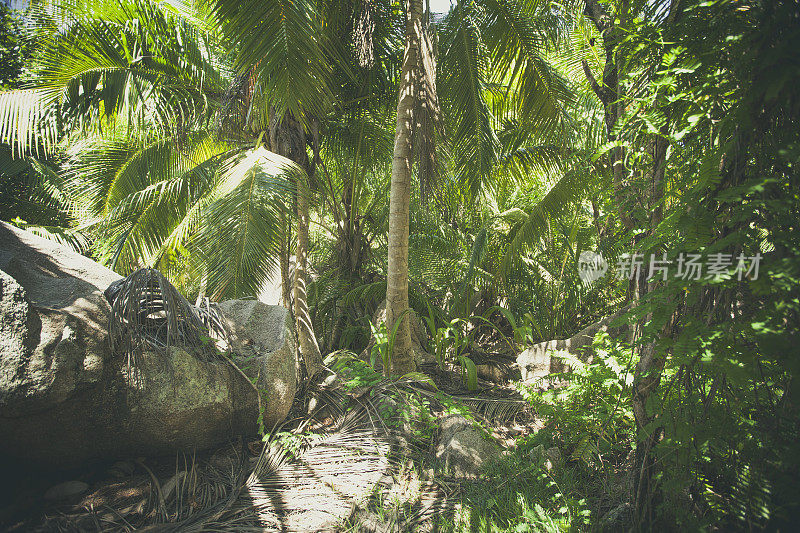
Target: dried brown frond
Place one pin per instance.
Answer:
(149, 314)
(496, 409)
(363, 29)
(428, 115)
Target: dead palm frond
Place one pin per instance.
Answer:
(149, 314)
(332, 478)
(496, 409)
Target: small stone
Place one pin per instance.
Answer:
(125, 467)
(66, 490)
(619, 518)
(122, 469)
(554, 457)
(492, 372)
(463, 449)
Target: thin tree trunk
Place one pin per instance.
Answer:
(400, 198)
(608, 92)
(651, 362)
(306, 340)
(286, 279)
(287, 138)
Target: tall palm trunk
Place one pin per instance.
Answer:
(287, 138)
(306, 340)
(286, 281)
(400, 197)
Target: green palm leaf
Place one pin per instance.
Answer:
(464, 84)
(559, 200)
(242, 227)
(282, 43)
(127, 60)
(518, 35)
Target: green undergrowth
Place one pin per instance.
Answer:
(519, 493)
(588, 429)
(585, 424)
(409, 408)
(588, 417)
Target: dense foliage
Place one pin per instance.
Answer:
(144, 135)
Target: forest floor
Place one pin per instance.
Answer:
(368, 457)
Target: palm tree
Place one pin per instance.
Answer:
(140, 84)
(124, 96)
(304, 72)
(280, 49)
(520, 83)
(139, 87)
(417, 90)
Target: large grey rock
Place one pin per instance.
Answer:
(53, 330)
(537, 362)
(262, 338)
(64, 396)
(463, 448)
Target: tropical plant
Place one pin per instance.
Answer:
(124, 92)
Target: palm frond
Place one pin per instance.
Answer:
(518, 35)
(464, 84)
(74, 239)
(242, 227)
(148, 314)
(27, 120)
(496, 409)
(558, 200)
(282, 42)
(148, 197)
(124, 60)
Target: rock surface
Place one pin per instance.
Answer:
(537, 362)
(494, 372)
(64, 398)
(550, 457)
(66, 490)
(263, 341)
(620, 518)
(463, 449)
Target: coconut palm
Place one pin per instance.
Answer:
(126, 93)
(417, 100)
(511, 37)
(161, 131)
(288, 50)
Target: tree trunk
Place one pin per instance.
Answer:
(402, 360)
(608, 92)
(650, 366)
(286, 279)
(651, 363)
(306, 340)
(287, 138)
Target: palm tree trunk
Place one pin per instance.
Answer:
(306, 340)
(287, 138)
(400, 198)
(286, 280)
